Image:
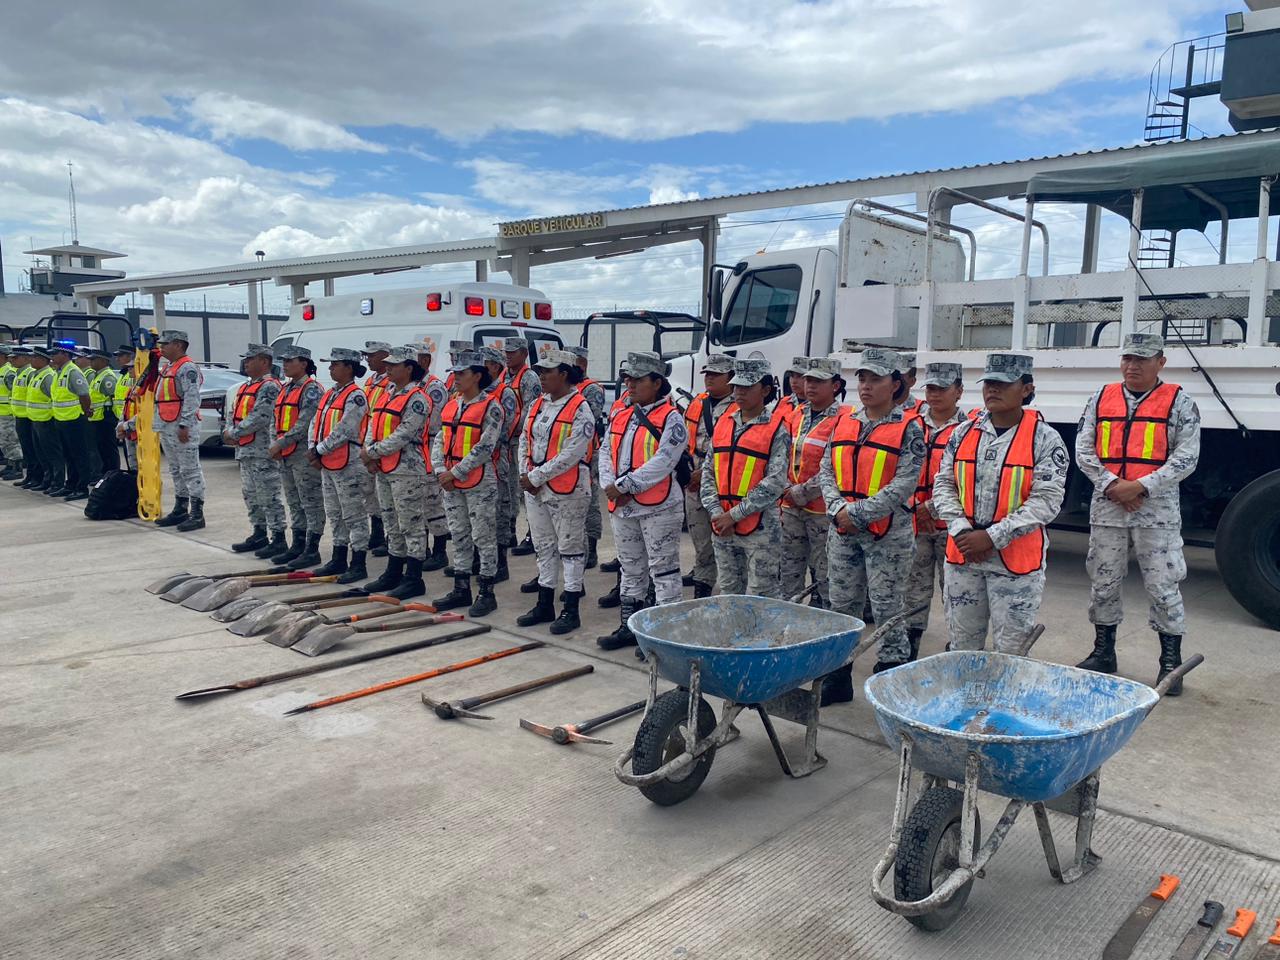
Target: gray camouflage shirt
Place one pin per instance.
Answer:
(575, 447)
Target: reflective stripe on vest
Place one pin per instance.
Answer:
(1017, 474)
(561, 429)
(18, 397)
(40, 395)
(288, 405)
(66, 405)
(512, 380)
(6, 404)
(1134, 446)
(864, 464)
(386, 418)
(513, 428)
(124, 380)
(935, 444)
(643, 446)
(806, 453)
(246, 400)
(98, 401)
(168, 403)
(740, 462)
(375, 388)
(461, 430)
(328, 414)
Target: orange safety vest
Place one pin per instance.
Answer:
(935, 444)
(914, 411)
(594, 446)
(375, 388)
(287, 405)
(168, 403)
(513, 428)
(643, 446)
(426, 425)
(561, 429)
(740, 463)
(448, 382)
(386, 418)
(623, 401)
(693, 418)
(1133, 453)
(806, 453)
(512, 382)
(1017, 474)
(246, 398)
(461, 429)
(864, 464)
(332, 405)
(788, 405)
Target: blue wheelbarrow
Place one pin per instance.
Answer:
(753, 652)
(1034, 732)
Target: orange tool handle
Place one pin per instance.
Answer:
(1275, 937)
(1243, 924)
(389, 611)
(1168, 884)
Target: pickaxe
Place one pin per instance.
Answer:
(450, 709)
(575, 732)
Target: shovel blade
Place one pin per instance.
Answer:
(322, 639)
(236, 609)
(259, 621)
(217, 594)
(165, 584)
(288, 631)
(185, 588)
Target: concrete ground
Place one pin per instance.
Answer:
(133, 826)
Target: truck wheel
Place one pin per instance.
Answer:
(659, 741)
(1247, 548)
(928, 851)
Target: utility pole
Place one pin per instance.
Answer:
(71, 200)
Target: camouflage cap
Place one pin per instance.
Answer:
(645, 362)
(425, 345)
(751, 371)
(254, 350)
(460, 346)
(718, 363)
(580, 352)
(168, 336)
(344, 355)
(492, 355)
(943, 374)
(880, 361)
(294, 352)
(1142, 345)
(402, 355)
(907, 361)
(513, 344)
(466, 360)
(375, 346)
(798, 365)
(823, 368)
(553, 358)
(1006, 367)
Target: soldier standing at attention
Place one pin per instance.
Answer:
(1138, 440)
(637, 471)
(295, 406)
(333, 448)
(943, 387)
(456, 349)
(555, 449)
(508, 400)
(869, 472)
(250, 432)
(375, 385)
(791, 396)
(804, 511)
(437, 395)
(71, 408)
(1001, 480)
(914, 405)
(743, 481)
(9, 444)
(701, 417)
(614, 597)
(593, 392)
(527, 387)
(176, 419)
(102, 416)
(467, 450)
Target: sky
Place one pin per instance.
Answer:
(201, 133)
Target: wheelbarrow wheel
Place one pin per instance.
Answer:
(659, 741)
(929, 850)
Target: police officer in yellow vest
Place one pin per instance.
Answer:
(20, 357)
(39, 402)
(71, 409)
(102, 417)
(9, 445)
(124, 383)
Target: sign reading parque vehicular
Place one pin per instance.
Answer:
(541, 225)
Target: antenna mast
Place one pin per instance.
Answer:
(71, 199)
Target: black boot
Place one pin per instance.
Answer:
(195, 517)
(253, 541)
(592, 559)
(277, 544)
(530, 585)
(310, 554)
(11, 472)
(687, 580)
(611, 566)
(568, 619)
(622, 637)
(390, 576)
(503, 574)
(913, 637)
(543, 612)
(176, 515)
(613, 597)
(410, 584)
(1103, 658)
(524, 547)
(355, 569)
(377, 537)
(701, 589)
(337, 563)
(459, 596)
(1170, 659)
(439, 558)
(883, 665)
(295, 551)
(486, 602)
(837, 686)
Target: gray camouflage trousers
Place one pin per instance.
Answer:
(9, 444)
(400, 499)
(974, 598)
(859, 565)
(595, 521)
(344, 504)
(472, 516)
(557, 526)
(302, 492)
(650, 545)
(927, 563)
(1163, 568)
(704, 554)
(131, 453)
(804, 549)
(183, 460)
(260, 486)
(433, 506)
(505, 499)
(752, 563)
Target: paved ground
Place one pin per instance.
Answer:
(136, 826)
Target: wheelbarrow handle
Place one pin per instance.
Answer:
(587, 726)
(1177, 674)
(867, 642)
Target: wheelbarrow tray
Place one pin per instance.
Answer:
(1045, 728)
(749, 649)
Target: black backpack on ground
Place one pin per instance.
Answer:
(114, 497)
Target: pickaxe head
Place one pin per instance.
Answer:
(447, 710)
(567, 733)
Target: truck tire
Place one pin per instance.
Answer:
(1247, 548)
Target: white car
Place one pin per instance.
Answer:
(217, 397)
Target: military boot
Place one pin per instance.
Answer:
(701, 589)
(390, 576)
(503, 573)
(310, 554)
(195, 517)
(355, 569)
(543, 612)
(410, 584)
(592, 558)
(277, 544)
(837, 686)
(253, 541)
(439, 558)
(459, 596)
(622, 637)
(486, 602)
(176, 515)
(613, 597)
(1170, 660)
(524, 548)
(913, 637)
(611, 566)
(1103, 658)
(295, 551)
(568, 619)
(530, 585)
(377, 537)
(337, 563)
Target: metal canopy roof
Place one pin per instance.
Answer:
(76, 250)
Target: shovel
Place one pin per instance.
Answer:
(188, 588)
(321, 640)
(224, 591)
(298, 623)
(254, 615)
(167, 583)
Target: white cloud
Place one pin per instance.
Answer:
(233, 118)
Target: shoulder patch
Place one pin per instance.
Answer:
(416, 405)
(1059, 457)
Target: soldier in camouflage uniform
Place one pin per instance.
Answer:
(525, 383)
(333, 448)
(1138, 439)
(374, 386)
(869, 472)
(180, 436)
(997, 541)
(466, 452)
(742, 482)
(506, 497)
(437, 394)
(250, 432)
(456, 349)
(295, 407)
(593, 393)
(393, 452)
(701, 417)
